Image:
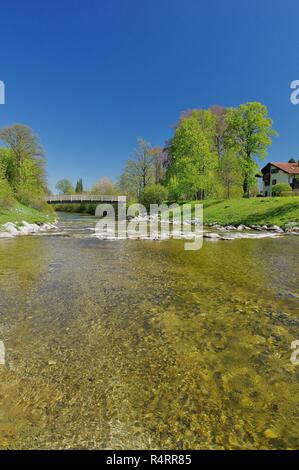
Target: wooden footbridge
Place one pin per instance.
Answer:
(84, 198)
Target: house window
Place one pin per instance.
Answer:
(274, 170)
(266, 179)
(274, 182)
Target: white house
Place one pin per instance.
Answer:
(275, 173)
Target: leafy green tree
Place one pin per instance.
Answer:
(24, 164)
(24, 145)
(154, 194)
(193, 155)
(207, 122)
(230, 172)
(189, 182)
(104, 187)
(9, 167)
(292, 160)
(6, 194)
(64, 186)
(173, 189)
(249, 132)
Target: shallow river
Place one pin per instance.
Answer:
(140, 344)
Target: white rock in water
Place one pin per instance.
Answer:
(11, 228)
(256, 227)
(292, 227)
(243, 227)
(235, 236)
(48, 226)
(2, 353)
(28, 228)
(6, 235)
(211, 235)
(276, 228)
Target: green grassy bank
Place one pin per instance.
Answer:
(20, 212)
(259, 211)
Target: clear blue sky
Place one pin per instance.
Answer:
(91, 76)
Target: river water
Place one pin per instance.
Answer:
(139, 344)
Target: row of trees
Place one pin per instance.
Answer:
(103, 186)
(140, 180)
(22, 167)
(213, 153)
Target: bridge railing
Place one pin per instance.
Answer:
(72, 198)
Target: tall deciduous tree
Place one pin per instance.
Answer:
(23, 143)
(250, 133)
(64, 186)
(220, 129)
(143, 163)
(139, 171)
(104, 187)
(159, 160)
(9, 167)
(6, 193)
(230, 171)
(193, 155)
(25, 164)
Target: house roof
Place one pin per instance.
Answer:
(290, 168)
